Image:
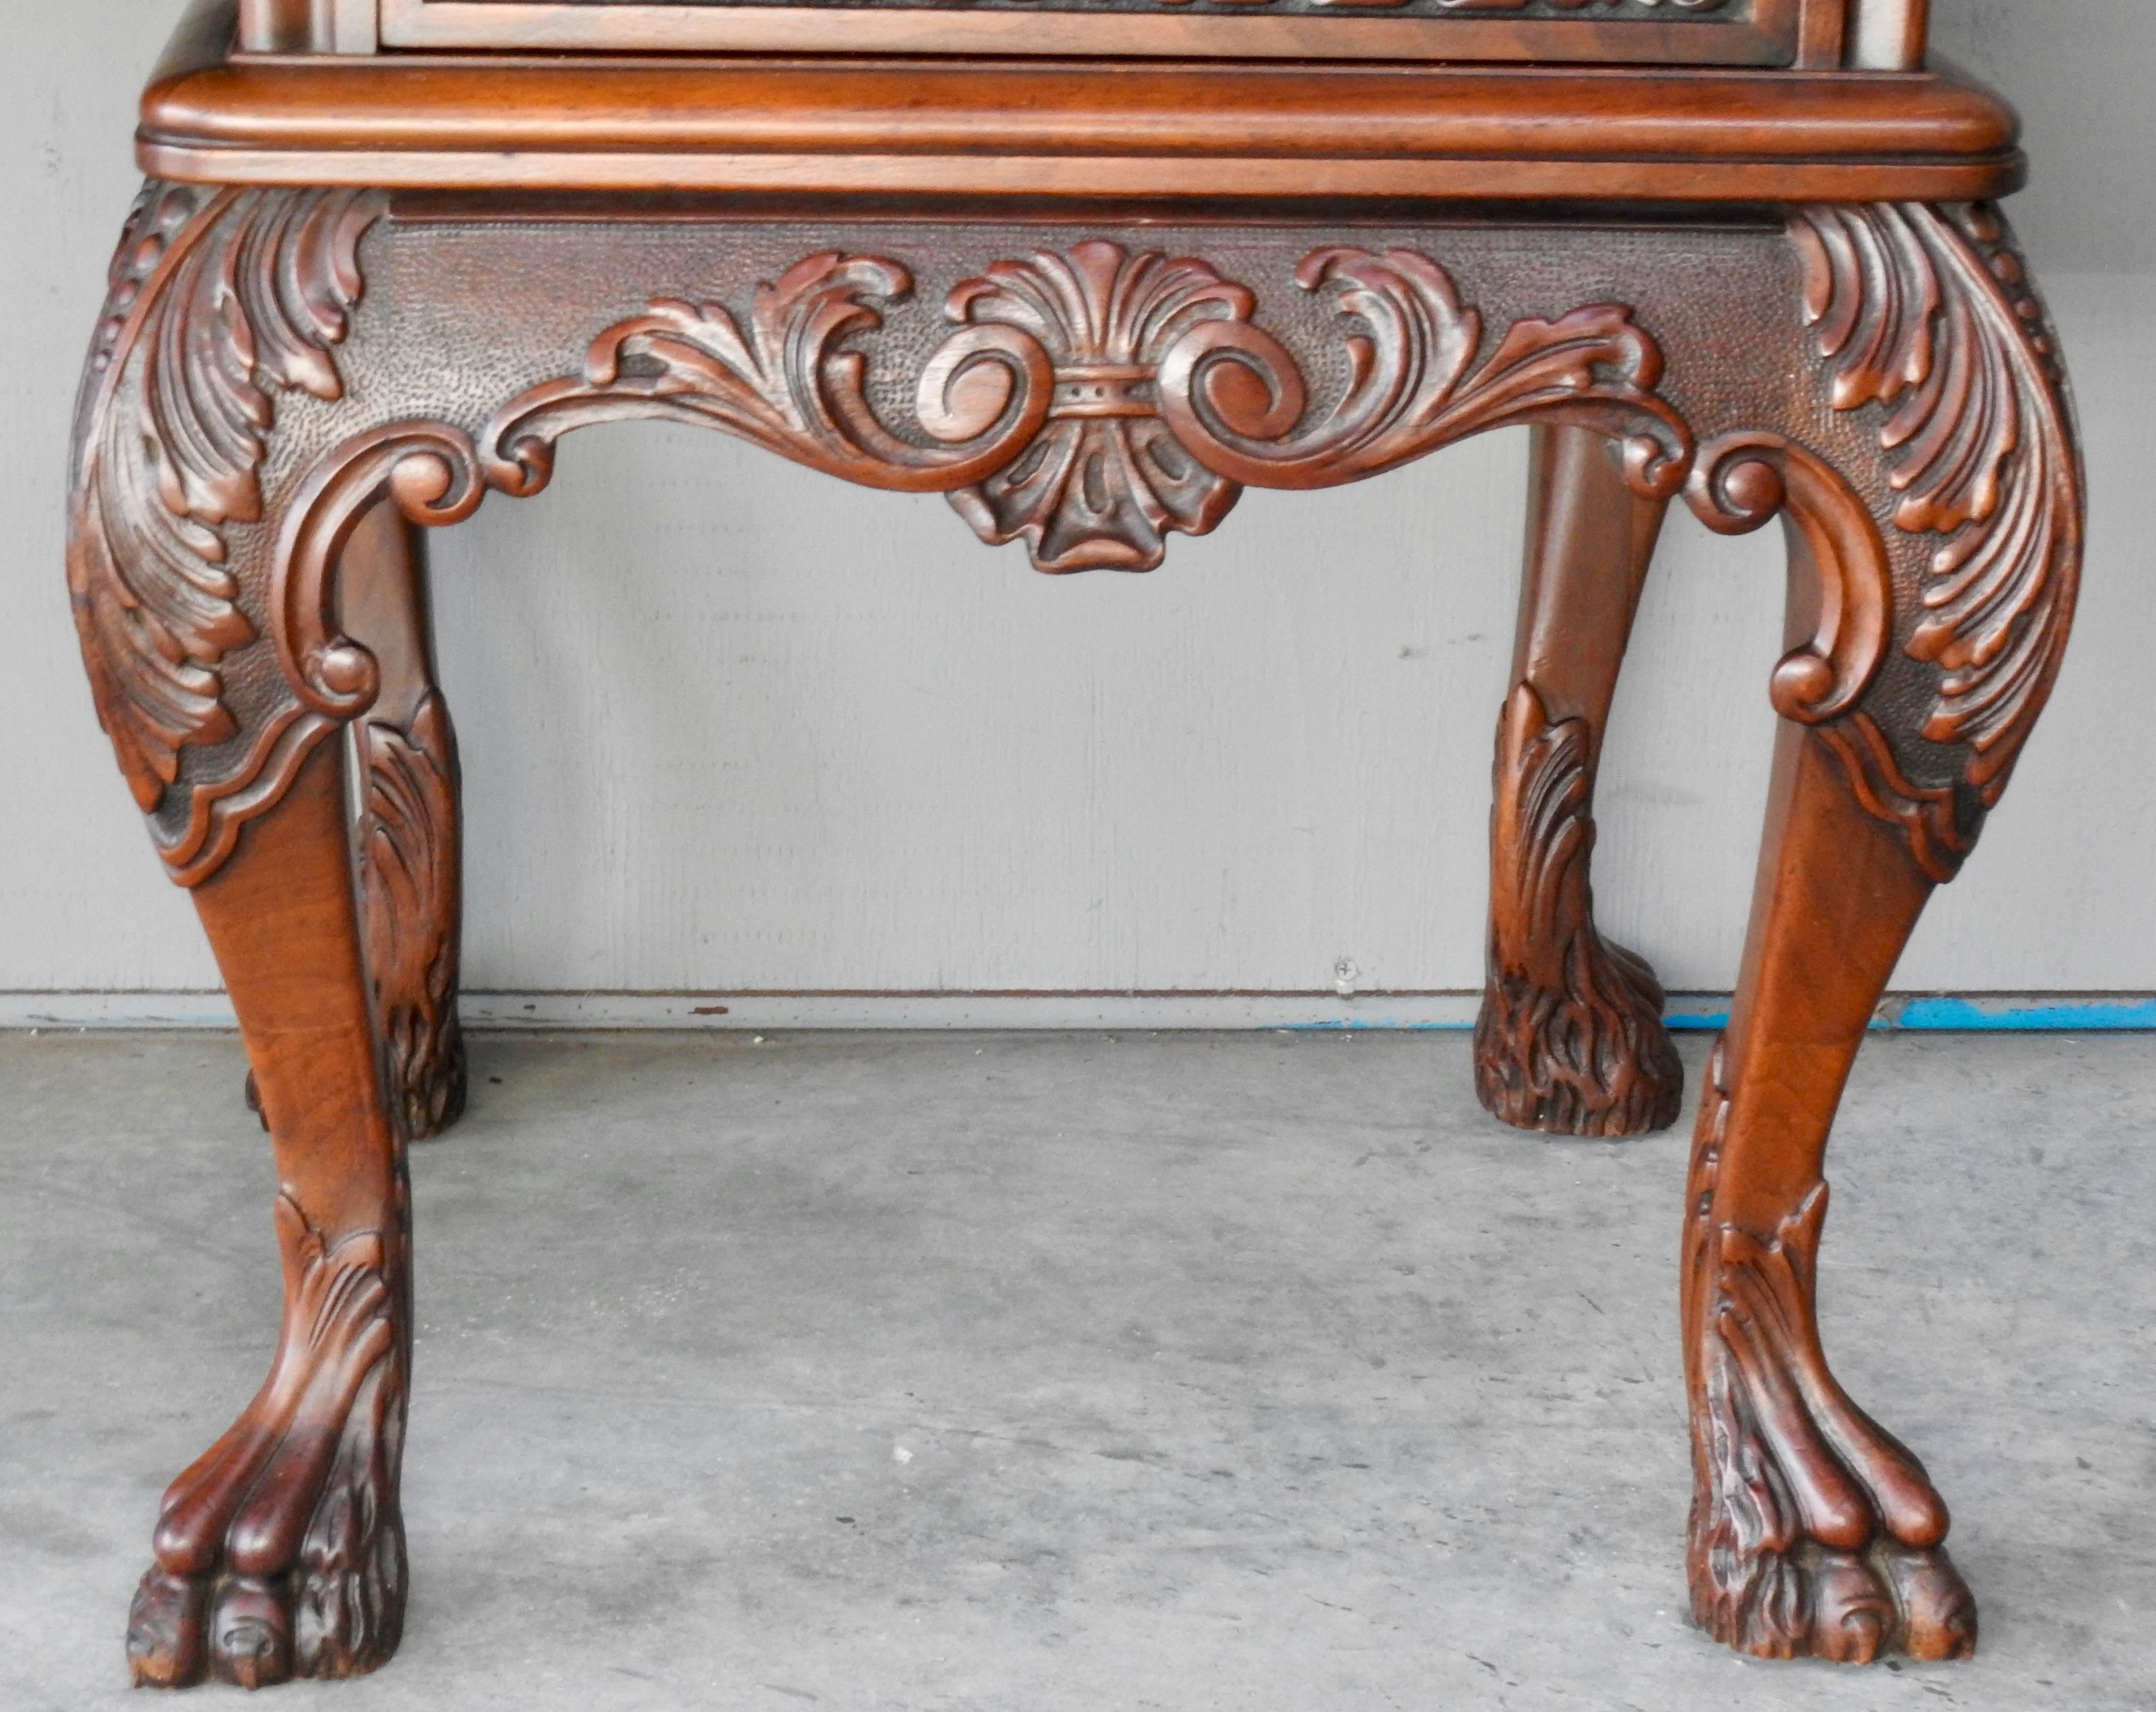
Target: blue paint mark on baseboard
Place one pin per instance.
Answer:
(2105, 1013)
(1911, 1013)
(1951, 1013)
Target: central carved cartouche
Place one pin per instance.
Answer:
(1105, 480)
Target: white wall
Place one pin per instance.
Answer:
(729, 725)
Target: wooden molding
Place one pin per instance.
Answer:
(1239, 131)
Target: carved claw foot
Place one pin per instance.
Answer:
(281, 1552)
(1813, 1533)
(1570, 1040)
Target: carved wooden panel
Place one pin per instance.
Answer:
(1089, 396)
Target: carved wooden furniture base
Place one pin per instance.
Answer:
(291, 382)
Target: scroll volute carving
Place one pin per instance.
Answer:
(1091, 403)
(786, 381)
(1842, 585)
(1413, 385)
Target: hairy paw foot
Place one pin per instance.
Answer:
(1570, 1041)
(281, 1552)
(1590, 1057)
(1815, 1533)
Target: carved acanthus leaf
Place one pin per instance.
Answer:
(790, 385)
(1410, 343)
(1929, 315)
(1095, 401)
(1569, 1039)
(215, 309)
(408, 876)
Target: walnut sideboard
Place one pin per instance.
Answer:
(1089, 267)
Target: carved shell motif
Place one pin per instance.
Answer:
(1928, 313)
(215, 307)
(1106, 479)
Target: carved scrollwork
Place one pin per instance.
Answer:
(1744, 480)
(433, 473)
(1090, 402)
(1410, 343)
(790, 385)
(1928, 314)
(216, 306)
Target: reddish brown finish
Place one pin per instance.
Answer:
(1239, 131)
(1813, 1531)
(282, 1550)
(1570, 1039)
(294, 371)
(1709, 32)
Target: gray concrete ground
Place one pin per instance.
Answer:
(1030, 1374)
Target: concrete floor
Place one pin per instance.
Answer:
(1033, 1374)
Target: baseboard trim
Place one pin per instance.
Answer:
(2052, 1012)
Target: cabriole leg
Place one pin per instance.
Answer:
(281, 1551)
(1570, 1040)
(1921, 655)
(1814, 1532)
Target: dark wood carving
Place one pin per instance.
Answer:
(1814, 1532)
(409, 876)
(1105, 478)
(1928, 315)
(217, 303)
(281, 1551)
(1093, 403)
(1570, 1038)
(1227, 399)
